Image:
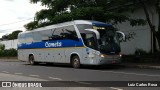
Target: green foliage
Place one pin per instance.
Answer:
(140, 52)
(11, 36)
(2, 46)
(66, 10)
(137, 22)
(14, 35)
(8, 53)
(31, 25)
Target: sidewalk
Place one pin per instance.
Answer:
(8, 59)
(142, 61)
(143, 65)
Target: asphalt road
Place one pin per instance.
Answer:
(86, 73)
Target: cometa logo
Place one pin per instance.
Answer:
(56, 44)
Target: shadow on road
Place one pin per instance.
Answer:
(91, 67)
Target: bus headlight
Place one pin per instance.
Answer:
(120, 55)
(102, 56)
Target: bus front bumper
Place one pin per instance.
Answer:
(109, 59)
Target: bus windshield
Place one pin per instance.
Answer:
(109, 41)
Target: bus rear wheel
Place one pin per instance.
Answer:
(31, 60)
(75, 62)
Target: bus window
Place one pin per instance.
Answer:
(46, 34)
(83, 26)
(57, 34)
(29, 38)
(89, 40)
(21, 38)
(70, 33)
(37, 37)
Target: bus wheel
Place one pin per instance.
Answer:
(75, 62)
(31, 60)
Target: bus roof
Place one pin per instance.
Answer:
(91, 22)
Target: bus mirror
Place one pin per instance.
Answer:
(121, 35)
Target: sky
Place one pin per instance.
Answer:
(14, 14)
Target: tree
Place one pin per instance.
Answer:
(4, 37)
(156, 4)
(144, 4)
(2, 47)
(67, 10)
(11, 36)
(14, 35)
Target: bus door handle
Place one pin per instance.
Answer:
(58, 53)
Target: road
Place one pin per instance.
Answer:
(86, 73)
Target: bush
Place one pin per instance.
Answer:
(2, 46)
(141, 52)
(8, 53)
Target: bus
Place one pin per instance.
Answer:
(76, 42)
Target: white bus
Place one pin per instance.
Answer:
(76, 42)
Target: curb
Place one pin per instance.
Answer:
(9, 59)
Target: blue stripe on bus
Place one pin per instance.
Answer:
(100, 24)
(51, 44)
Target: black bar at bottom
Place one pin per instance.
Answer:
(79, 83)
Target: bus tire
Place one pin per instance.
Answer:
(31, 60)
(75, 62)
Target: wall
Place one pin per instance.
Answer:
(10, 44)
(141, 35)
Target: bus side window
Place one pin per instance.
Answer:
(29, 38)
(84, 38)
(37, 37)
(70, 33)
(21, 39)
(45, 34)
(57, 34)
(89, 40)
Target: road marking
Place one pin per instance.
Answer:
(18, 73)
(83, 82)
(133, 73)
(55, 78)
(34, 75)
(116, 88)
(5, 72)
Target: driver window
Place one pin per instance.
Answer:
(89, 40)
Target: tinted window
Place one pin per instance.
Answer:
(84, 26)
(29, 38)
(70, 33)
(89, 40)
(46, 34)
(37, 37)
(21, 38)
(57, 34)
